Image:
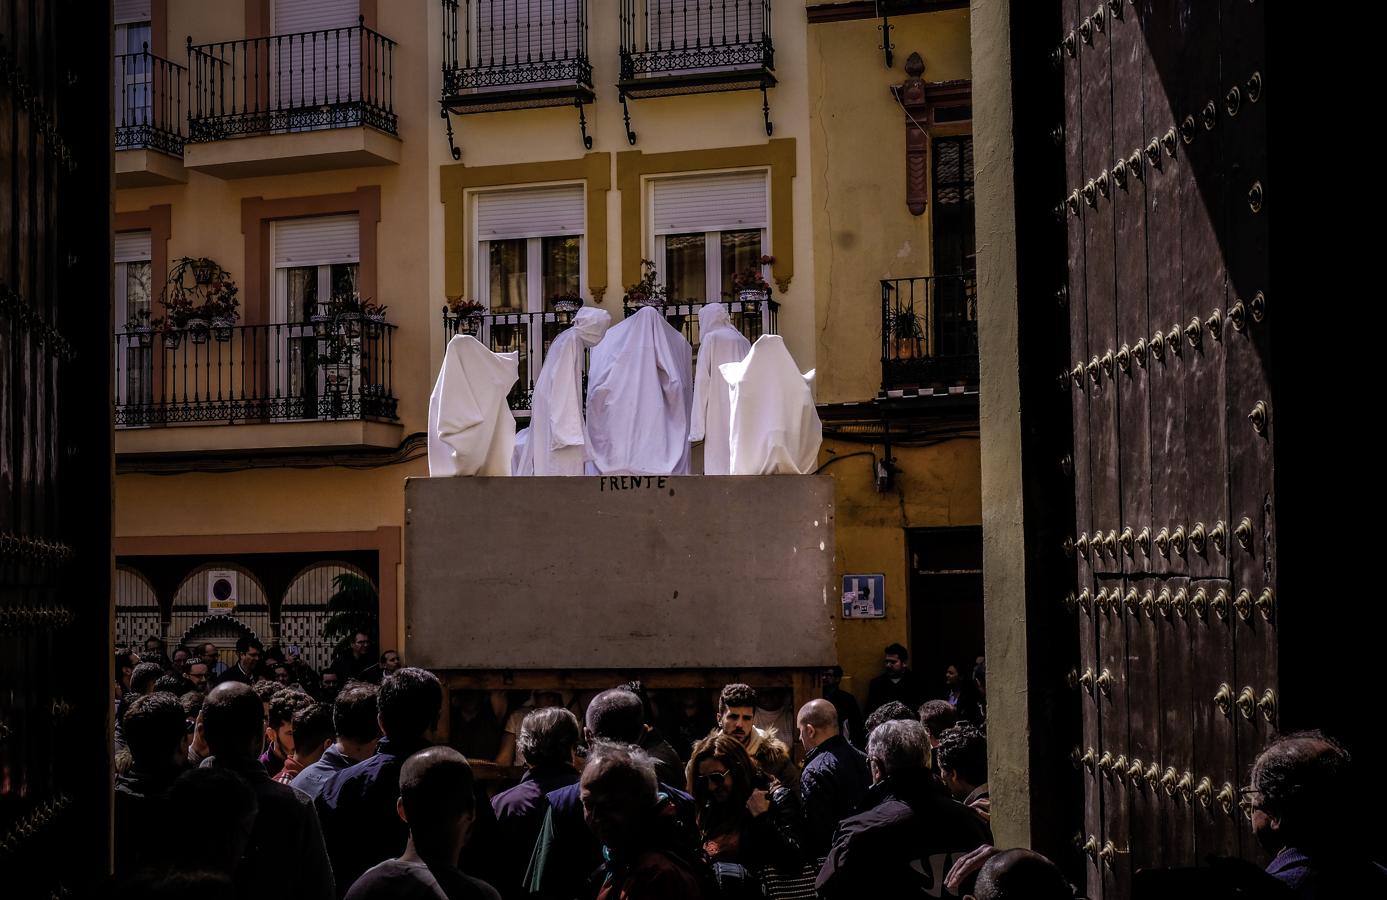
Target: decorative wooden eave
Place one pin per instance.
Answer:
(927, 104)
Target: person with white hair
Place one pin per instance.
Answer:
(910, 832)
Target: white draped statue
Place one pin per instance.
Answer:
(718, 342)
(556, 442)
(775, 427)
(640, 394)
(471, 429)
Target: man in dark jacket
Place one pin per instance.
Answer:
(849, 713)
(835, 777)
(566, 852)
(156, 732)
(286, 845)
(904, 843)
(897, 682)
(547, 740)
(248, 653)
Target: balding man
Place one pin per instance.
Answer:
(835, 778)
(1021, 873)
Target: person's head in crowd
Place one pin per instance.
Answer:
(209, 654)
(170, 682)
(328, 686)
(895, 659)
(143, 678)
(279, 720)
(156, 732)
(312, 727)
(233, 721)
(273, 656)
(899, 748)
(361, 644)
(266, 690)
(894, 711)
(248, 653)
(192, 711)
(720, 778)
(817, 722)
(615, 715)
(618, 790)
(153, 647)
(410, 703)
(390, 662)
(737, 712)
(356, 719)
(197, 672)
(223, 807)
(548, 737)
(953, 677)
(831, 677)
(180, 660)
(1300, 784)
(192, 704)
(438, 802)
(281, 674)
(962, 756)
(938, 716)
(1021, 875)
(126, 661)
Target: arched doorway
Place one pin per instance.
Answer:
(137, 609)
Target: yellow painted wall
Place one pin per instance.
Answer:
(863, 231)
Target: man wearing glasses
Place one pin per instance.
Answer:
(1299, 800)
(248, 653)
(353, 665)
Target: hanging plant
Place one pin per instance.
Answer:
(648, 291)
(200, 296)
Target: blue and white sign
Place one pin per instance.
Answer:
(864, 596)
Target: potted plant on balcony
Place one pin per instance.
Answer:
(567, 302)
(222, 307)
(140, 328)
(374, 316)
(468, 314)
(750, 286)
(906, 332)
(167, 331)
(648, 291)
(205, 269)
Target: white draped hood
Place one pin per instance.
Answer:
(556, 441)
(640, 393)
(471, 429)
(718, 342)
(775, 427)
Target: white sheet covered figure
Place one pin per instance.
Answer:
(775, 427)
(556, 439)
(471, 429)
(640, 393)
(718, 342)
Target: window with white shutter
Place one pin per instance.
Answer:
(689, 24)
(707, 228)
(321, 63)
(134, 311)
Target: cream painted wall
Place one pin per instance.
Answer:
(863, 231)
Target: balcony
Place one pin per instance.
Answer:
(929, 335)
(531, 333)
(671, 47)
(294, 102)
(515, 54)
(248, 384)
(149, 117)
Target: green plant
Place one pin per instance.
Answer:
(370, 309)
(647, 291)
(751, 279)
(460, 307)
(905, 323)
(354, 606)
(139, 321)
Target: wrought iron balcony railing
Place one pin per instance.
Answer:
(505, 54)
(695, 46)
(532, 333)
(255, 374)
(335, 78)
(149, 103)
(929, 332)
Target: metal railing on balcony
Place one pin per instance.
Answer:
(335, 78)
(693, 41)
(531, 334)
(255, 374)
(929, 332)
(492, 47)
(149, 109)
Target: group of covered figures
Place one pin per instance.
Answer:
(646, 405)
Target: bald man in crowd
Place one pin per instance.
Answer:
(835, 778)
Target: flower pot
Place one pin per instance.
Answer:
(142, 336)
(171, 339)
(568, 305)
(647, 301)
(203, 271)
(374, 324)
(470, 323)
(322, 324)
(197, 330)
(221, 327)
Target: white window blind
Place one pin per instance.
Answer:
(537, 212)
(318, 241)
(295, 16)
(676, 24)
(510, 31)
(710, 203)
(128, 11)
(133, 246)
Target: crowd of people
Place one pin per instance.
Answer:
(319, 792)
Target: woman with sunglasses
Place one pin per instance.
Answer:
(744, 818)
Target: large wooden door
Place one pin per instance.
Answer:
(1174, 538)
(55, 447)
